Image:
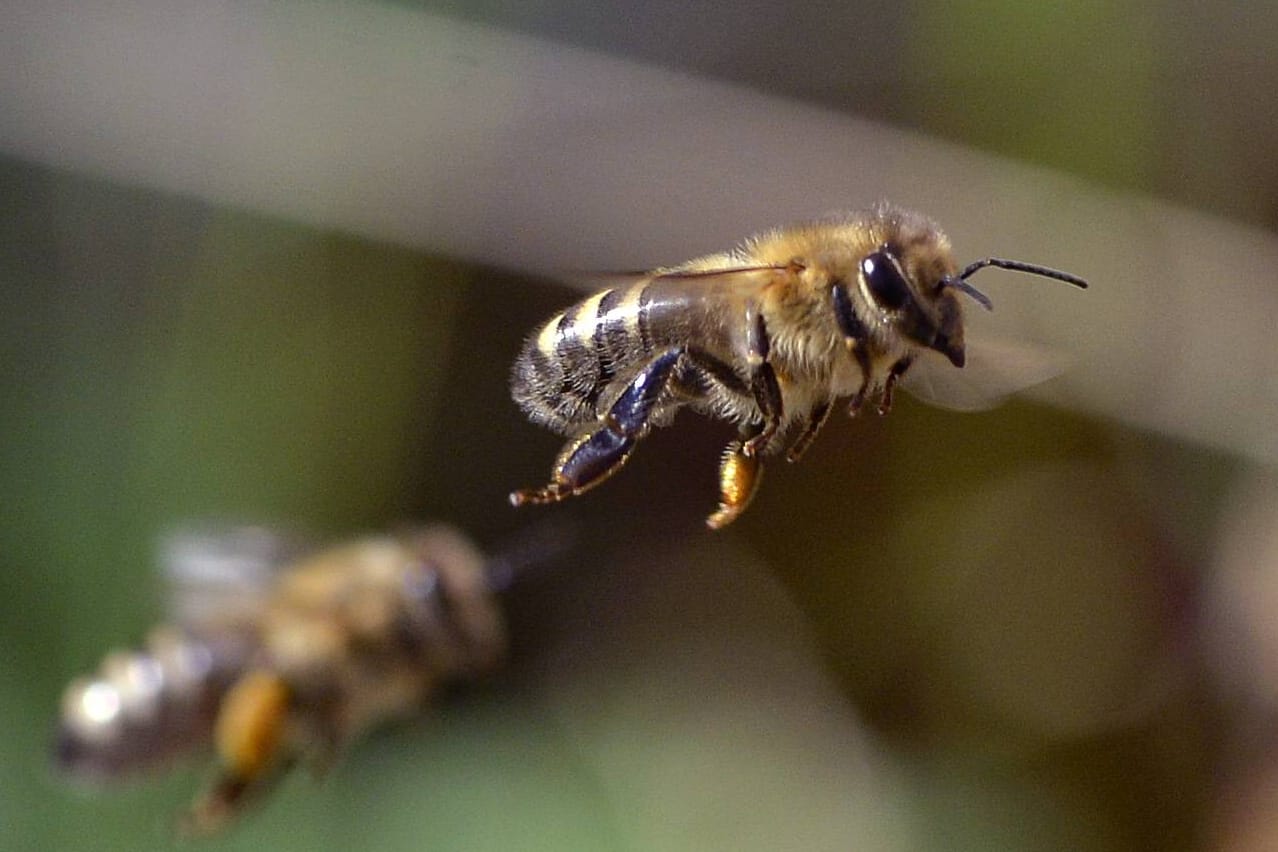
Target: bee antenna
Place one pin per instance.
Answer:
(1021, 266)
(960, 283)
(530, 549)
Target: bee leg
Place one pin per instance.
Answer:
(739, 478)
(763, 382)
(215, 808)
(894, 376)
(591, 458)
(862, 356)
(767, 395)
(815, 421)
(854, 336)
(249, 737)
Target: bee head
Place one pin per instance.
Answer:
(915, 287)
(913, 291)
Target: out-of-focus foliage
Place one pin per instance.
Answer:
(1070, 85)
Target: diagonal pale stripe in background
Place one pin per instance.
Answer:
(488, 146)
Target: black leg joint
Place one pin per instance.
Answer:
(849, 323)
(758, 343)
(767, 393)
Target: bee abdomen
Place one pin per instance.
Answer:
(144, 708)
(565, 367)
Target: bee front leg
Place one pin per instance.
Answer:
(594, 456)
(862, 356)
(894, 376)
(855, 337)
(767, 395)
(763, 382)
(815, 421)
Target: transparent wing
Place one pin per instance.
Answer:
(221, 573)
(710, 270)
(590, 282)
(994, 370)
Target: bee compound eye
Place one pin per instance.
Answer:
(884, 280)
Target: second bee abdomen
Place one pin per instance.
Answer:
(143, 708)
(565, 367)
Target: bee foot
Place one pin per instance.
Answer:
(536, 496)
(756, 445)
(214, 810)
(889, 386)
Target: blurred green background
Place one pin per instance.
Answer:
(939, 631)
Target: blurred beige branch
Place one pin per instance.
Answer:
(509, 150)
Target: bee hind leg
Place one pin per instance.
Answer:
(594, 456)
(250, 739)
(582, 464)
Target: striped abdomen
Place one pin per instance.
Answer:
(144, 708)
(567, 366)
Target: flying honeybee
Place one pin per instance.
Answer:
(290, 667)
(767, 336)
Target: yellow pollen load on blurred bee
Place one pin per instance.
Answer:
(291, 667)
(767, 337)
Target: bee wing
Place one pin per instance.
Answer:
(722, 272)
(994, 370)
(590, 282)
(734, 275)
(221, 574)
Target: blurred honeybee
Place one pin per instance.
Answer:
(767, 336)
(289, 667)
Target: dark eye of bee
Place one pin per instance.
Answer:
(884, 280)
